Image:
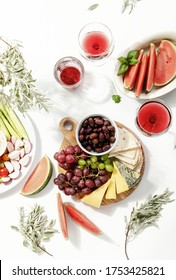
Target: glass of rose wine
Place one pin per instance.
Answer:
(69, 72)
(153, 117)
(95, 42)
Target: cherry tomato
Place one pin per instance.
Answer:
(3, 172)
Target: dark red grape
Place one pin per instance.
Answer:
(70, 159)
(69, 174)
(89, 183)
(78, 172)
(61, 187)
(69, 191)
(65, 165)
(56, 155)
(61, 158)
(75, 180)
(98, 182)
(61, 177)
(86, 190)
(103, 178)
(56, 181)
(78, 150)
(81, 184)
(86, 171)
(69, 150)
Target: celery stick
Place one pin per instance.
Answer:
(14, 121)
(9, 127)
(4, 129)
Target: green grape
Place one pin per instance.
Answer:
(93, 159)
(94, 165)
(81, 162)
(101, 165)
(109, 167)
(88, 162)
(107, 161)
(81, 167)
(104, 157)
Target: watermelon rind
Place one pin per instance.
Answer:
(45, 180)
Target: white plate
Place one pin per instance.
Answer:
(144, 43)
(31, 133)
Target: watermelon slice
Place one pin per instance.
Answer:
(165, 69)
(151, 68)
(141, 75)
(131, 74)
(39, 178)
(62, 217)
(79, 218)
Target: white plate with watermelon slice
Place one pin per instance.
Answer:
(158, 55)
(22, 160)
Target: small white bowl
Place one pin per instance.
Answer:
(93, 152)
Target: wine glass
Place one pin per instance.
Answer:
(95, 42)
(69, 72)
(153, 117)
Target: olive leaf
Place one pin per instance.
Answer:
(145, 215)
(93, 7)
(17, 85)
(35, 228)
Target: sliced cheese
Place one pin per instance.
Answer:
(129, 153)
(132, 161)
(95, 198)
(126, 141)
(120, 182)
(111, 190)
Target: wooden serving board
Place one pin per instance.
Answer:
(68, 127)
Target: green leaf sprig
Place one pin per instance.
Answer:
(17, 86)
(116, 98)
(146, 215)
(35, 228)
(125, 62)
(129, 4)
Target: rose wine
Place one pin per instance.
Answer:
(153, 117)
(96, 44)
(70, 75)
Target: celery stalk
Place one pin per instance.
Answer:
(9, 127)
(15, 122)
(4, 129)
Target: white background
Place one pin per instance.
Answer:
(48, 31)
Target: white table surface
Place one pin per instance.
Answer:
(48, 31)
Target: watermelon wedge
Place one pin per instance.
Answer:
(79, 218)
(141, 75)
(39, 177)
(131, 74)
(151, 68)
(165, 69)
(62, 217)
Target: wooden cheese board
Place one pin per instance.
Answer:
(68, 127)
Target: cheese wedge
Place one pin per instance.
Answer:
(120, 182)
(126, 141)
(111, 191)
(95, 198)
